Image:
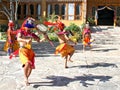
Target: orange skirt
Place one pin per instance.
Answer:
(27, 56)
(14, 46)
(64, 49)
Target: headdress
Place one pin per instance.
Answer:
(29, 24)
(10, 23)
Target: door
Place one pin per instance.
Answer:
(105, 16)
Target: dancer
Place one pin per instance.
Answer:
(26, 53)
(31, 24)
(87, 40)
(11, 43)
(86, 30)
(64, 48)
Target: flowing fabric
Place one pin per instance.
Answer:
(64, 49)
(27, 55)
(86, 41)
(13, 44)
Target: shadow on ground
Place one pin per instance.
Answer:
(95, 65)
(95, 29)
(40, 49)
(64, 81)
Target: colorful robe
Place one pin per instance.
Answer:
(27, 55)
(64, 49)
(11, 43)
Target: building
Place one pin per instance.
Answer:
(103, 12)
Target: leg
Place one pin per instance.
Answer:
(84, 48)
(29, 72)
(70, 57)
(66, 62)
(26, 68)
(90, 46)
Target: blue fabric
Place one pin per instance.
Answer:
(29, 24)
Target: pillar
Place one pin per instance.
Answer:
(43, 8)
(84, 10)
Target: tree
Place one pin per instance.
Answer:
(11, 11)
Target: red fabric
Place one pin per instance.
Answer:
(14, 54)
(61, 26)
(48, 23)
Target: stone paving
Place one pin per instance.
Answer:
(95, 69)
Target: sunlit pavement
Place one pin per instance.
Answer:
(95, 69)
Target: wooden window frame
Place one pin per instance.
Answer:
(66, 16)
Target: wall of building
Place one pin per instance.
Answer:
(4, 20)
(93, 5)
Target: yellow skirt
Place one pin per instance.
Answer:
(64, 49)
(14, 46)
(27, 56)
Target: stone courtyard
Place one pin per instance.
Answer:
(95, 69)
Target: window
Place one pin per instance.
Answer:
(24, 12)
(56, 9)
(31, 9)
(63, 7)
(38, 11)
(49, 9)
(77, 12)
(68, 11)
(71, 11)
(19, 11)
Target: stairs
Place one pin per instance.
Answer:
(106, 35)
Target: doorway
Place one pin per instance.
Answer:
(105, 16)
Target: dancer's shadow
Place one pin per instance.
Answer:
(64, 81)
(104, 50)
(95, 65)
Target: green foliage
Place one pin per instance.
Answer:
(53, 37)
(76, 30)
(3, 28)
(73, 27)
(53, 17)
(51, 29)
(91, 20)
(3, 36)
(82, 26)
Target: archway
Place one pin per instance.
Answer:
(105, 16)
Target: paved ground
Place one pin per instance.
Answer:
(95, 69)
